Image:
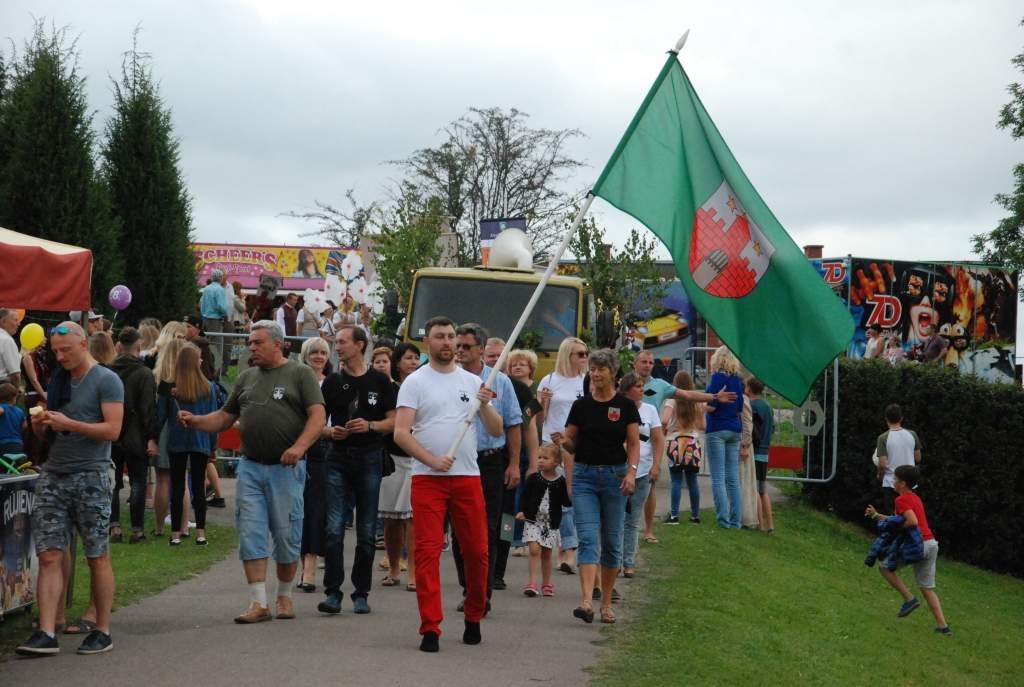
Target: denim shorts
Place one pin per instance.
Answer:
(269, 506)
(79, 500)
(600, 509)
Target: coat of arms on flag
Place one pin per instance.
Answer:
(728, 252)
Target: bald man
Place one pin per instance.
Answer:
(85, 407)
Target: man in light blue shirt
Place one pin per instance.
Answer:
(215, 309)
(497, 457)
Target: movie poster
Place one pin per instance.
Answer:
(962, 315)
(18, 567)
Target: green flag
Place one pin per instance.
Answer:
(742, 271)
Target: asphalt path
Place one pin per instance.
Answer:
(185, 635)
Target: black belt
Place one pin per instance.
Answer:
(491, 452)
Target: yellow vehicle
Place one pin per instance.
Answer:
(495, 298)
(658, 327)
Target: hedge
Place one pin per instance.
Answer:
(972, 464)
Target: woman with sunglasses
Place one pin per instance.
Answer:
(557, 392)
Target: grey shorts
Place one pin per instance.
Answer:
(924, 569)
(80, 500)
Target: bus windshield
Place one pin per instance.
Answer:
(497, 306)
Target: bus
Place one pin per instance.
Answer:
(495, 297)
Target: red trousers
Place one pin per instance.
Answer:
(463, 499)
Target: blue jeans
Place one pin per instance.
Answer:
(269, 501)
(600, 508)
(353, 481)
(723, 449)
(678, 477)
(634, 521)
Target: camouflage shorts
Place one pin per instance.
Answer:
(79, 500)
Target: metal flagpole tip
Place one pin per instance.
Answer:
(681, 42)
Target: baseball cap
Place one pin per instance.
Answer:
(193, 320)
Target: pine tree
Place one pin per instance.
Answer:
(140, 166)
(48, 183)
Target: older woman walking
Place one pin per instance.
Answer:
(723, 438)
(602, 434)
(315, 354)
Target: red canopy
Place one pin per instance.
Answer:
(37, 274)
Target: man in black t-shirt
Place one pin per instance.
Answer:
(361, 405)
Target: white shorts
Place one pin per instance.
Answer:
(924, 569)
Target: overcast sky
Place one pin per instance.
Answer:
(867, 127)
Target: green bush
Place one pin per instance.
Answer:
(972, 469)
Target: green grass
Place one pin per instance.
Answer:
(740, 608)
(140, 570)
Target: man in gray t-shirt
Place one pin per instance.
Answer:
(86, 407)
(281, 412)
(895, 447)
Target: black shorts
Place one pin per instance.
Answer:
(761, 470)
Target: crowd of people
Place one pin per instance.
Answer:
(560, 468)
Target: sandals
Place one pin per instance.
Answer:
(530, 589)
(389, 581)
(384, 563)
(307, 587)
(411, 587)
(547, 590)
(651, 539)
(82, 626)
(607, 615)
(584, 613)
(566, 568)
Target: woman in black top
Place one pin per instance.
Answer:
(603, 436)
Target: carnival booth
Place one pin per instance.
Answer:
(37, 275)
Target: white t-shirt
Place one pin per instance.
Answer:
(442, 401)
(898, 446)
(10, 359)
(565, 391)
(648, 419)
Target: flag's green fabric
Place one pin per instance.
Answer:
(742, 271)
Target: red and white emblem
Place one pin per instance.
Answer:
(728, 252)
(614, 414)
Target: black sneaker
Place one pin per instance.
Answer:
(615, 595)
(695, 519)
(671, 520)
(471, 635)
(499, 584)
(947, 630)
(97, 642)
(216, 502)
(430, 642)
(39, 644)
(332, 604)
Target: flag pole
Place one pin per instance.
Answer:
(552, 265)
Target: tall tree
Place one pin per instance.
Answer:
(623, 281)
(140, 166)
(492, 164)
(1005, 243)
(48, 182)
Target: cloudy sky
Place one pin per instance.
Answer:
(867, 127)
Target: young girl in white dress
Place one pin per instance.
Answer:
(543, 497)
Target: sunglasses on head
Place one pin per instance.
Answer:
(61, 329)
